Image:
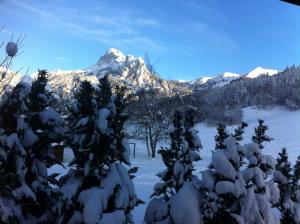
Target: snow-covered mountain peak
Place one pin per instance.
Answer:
(204, 79)
(230, 75)
(261, 71)
(111, 58)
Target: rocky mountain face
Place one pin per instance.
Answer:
(129, 70)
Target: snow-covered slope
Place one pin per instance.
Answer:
(213, 82)
(261, 71)
(284, 127)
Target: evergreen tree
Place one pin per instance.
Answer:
(239, 131)
(41, 128)
(221, 136)
(283, 177)
(104, 93)
(118, 124)
(296, 176)
(178, 181)
(14, 189)
(223, 184)
(27, 144)
(260, 135)
(102, 189)
(256, 206)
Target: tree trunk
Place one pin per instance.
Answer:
(151, 143)
(148, 142)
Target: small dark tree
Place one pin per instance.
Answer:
(296, 176)
(221, 136)
(239, 131)
(260, 135)
(104, 93)
(283, 177)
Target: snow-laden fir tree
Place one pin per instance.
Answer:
(176, 199)
(288, 183)
(40, 129)
(239, 131)
(260, 135)
(222, 183)
(14, 188)
(283, 177)
(27, 145)
(262, 194)
(98, 187)
(221, 136)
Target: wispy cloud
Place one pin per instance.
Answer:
(106, 26)
(208, 33)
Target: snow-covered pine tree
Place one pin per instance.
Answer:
(223, 184)
(27, 146)
(288, 183)
(260, 135)
(14, 189)
(176, 199)
(98, 188)
(296, 175)
(191, 135)
(39, 128)
(291, 213)
(283, 177)
(239, 131)
(262, 194)
(221, 136)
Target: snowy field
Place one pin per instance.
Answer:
(284, 127)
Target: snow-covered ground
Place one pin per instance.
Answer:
(284, 127)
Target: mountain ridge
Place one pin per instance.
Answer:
(136, 73)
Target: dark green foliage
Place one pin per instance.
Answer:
(118, 124)
(239, 131)
(260, 134)
(284, 167)
(287, 217)
(104, 92)
(11, 109)
(41, 152)
(221, 136)
(99, 142)
(85, 99)
(189, 132)
(38, 97)
(296, 176)
(221, 217)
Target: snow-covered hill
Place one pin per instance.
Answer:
(284, 127)
(261, 71)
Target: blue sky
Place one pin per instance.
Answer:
(185, 39)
